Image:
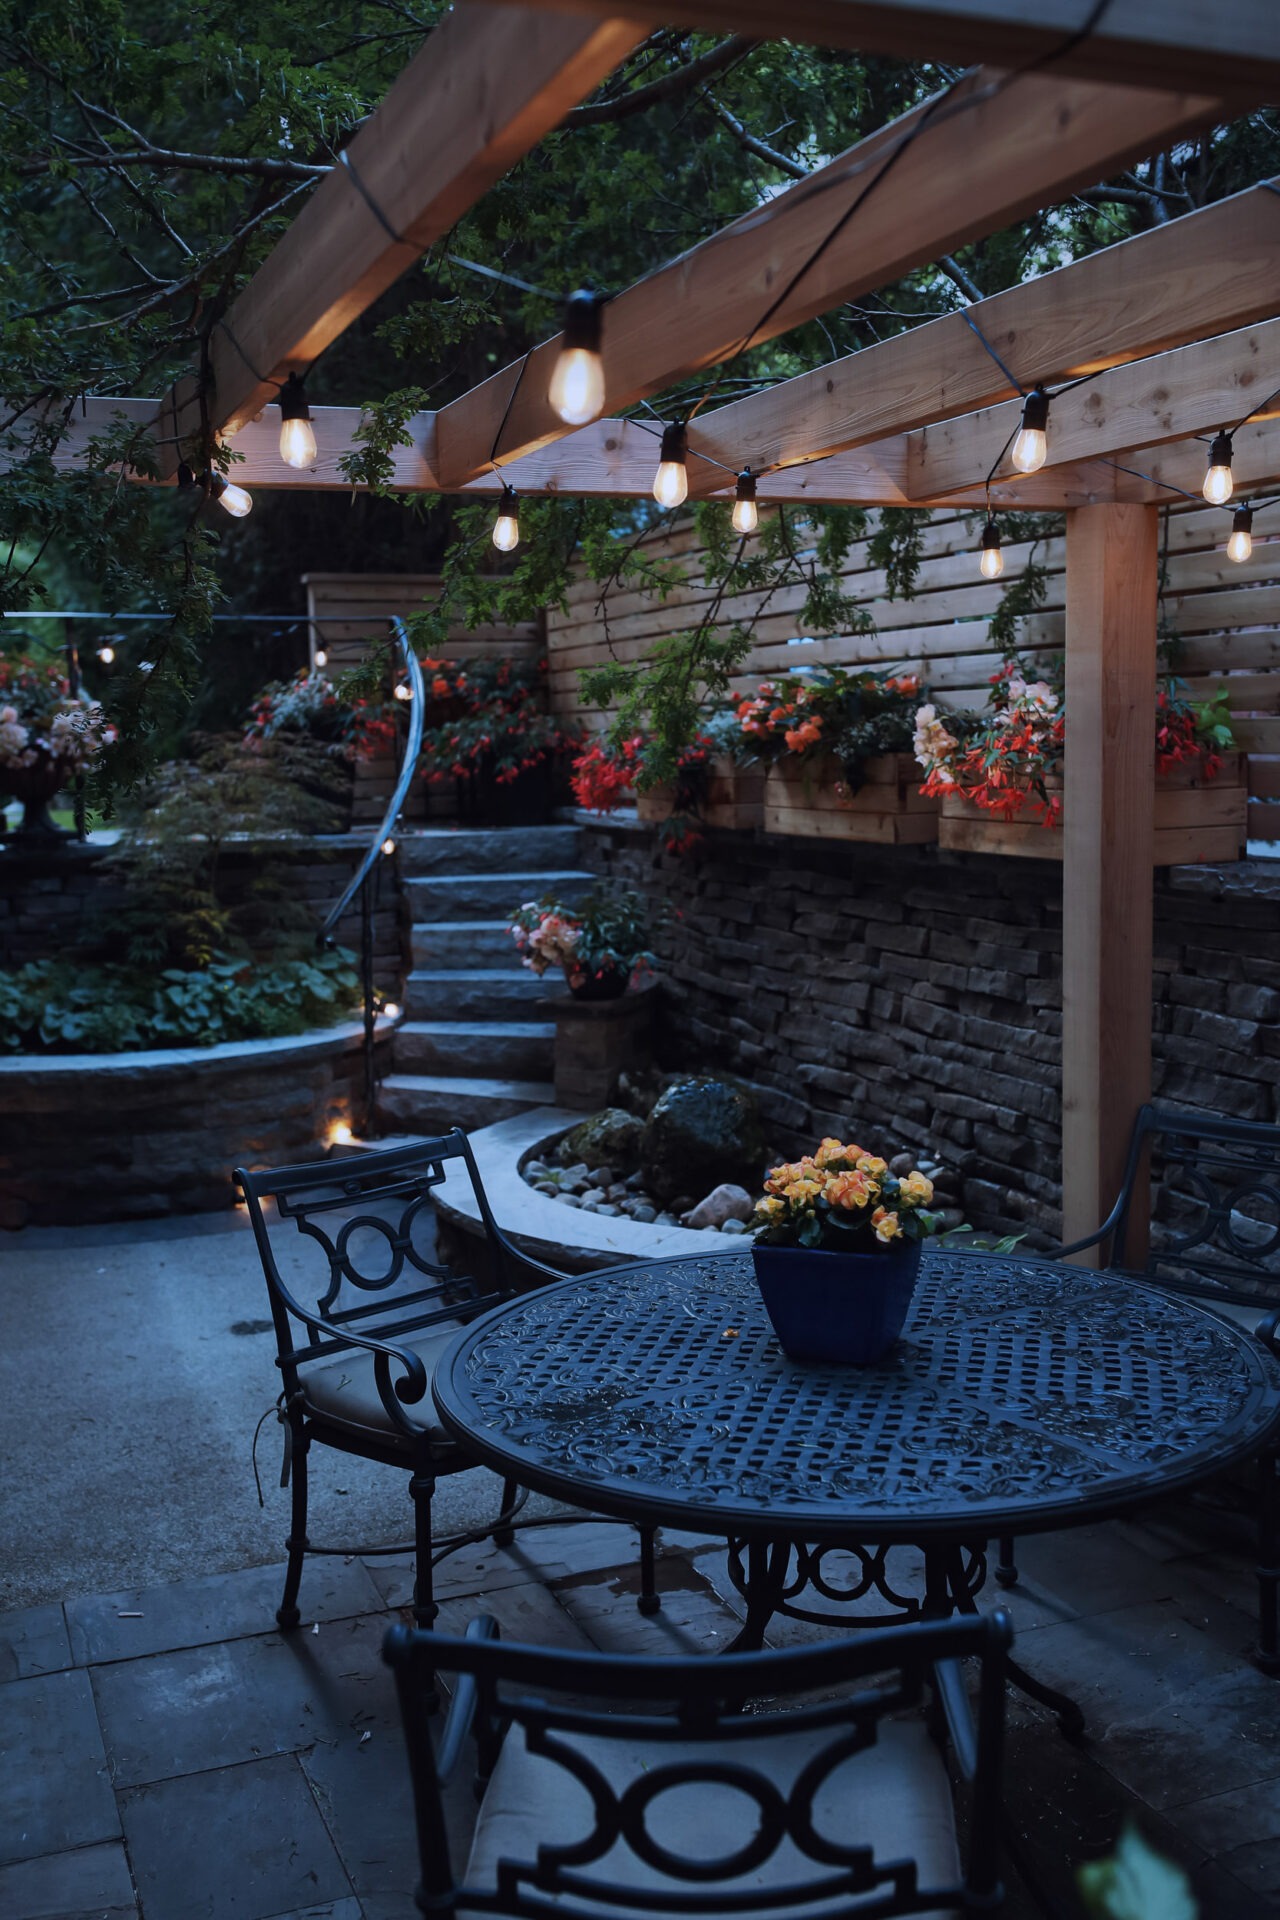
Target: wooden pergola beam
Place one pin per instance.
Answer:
(479, 94)
(1191, 390)
(616, 458)
(997, 148)
(1234, 50)
(1206, 273)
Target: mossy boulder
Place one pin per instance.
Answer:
(700, 1134)
(610, 1138)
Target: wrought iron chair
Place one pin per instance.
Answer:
(357, 1366)
(623, 1786)
(1213, 1231)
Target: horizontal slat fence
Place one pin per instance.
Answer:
(1226, 615)
(349, 610)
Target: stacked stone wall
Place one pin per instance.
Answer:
(914, 998)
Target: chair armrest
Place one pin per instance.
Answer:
(1089, 1240)
(394, 1396)
(462, 1708)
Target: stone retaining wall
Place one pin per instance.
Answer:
(915, 998)
(86, 1137)
(47, 901)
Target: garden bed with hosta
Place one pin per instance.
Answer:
(817, 802)
(1195, 819)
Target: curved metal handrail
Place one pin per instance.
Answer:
(416, 717)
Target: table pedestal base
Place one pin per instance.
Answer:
(953, 1577)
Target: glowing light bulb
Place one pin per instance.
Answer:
(403, 692)
(746, 514)
(1031, 446)
(341, 1135)
(106, 655)
(233, 499)
(506, 528)
(992, 561)
(576, 392)
(388, 846)
(391, 1011)
(1240, 545)
(671, 481)
(297, 437)
(1219, 481)
(322, 658)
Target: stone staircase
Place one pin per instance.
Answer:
(472, 1048)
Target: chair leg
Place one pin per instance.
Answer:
(287, 1613)
(1006, 1565)
(1268, 1562)
(650, 1600)
(502, 1536)
(422, 1486)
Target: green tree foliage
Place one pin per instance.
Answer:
(152, 154)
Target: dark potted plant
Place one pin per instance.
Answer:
(837, 1252)
(487, 729)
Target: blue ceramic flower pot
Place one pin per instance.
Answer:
(841, 1307)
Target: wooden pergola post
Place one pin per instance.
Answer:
(1107, 902)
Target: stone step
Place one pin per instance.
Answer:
(464, 943)
(432, 1103)
(479, 896)
(476, 993)
(485, 849)
(523, 1049)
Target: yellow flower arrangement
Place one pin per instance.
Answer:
(841, 1196)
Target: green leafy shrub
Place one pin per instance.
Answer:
(53, 1006)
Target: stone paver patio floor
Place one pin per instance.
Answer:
(165, 1754)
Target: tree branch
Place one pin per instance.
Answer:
(754, 145)
(672, 86)
(959, 277)
(149, 156)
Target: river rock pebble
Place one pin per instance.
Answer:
(724, 1203)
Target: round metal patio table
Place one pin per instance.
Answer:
(1023, 1396)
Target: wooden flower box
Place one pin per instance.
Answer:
(1196, 819)
(732, 798)
(814, 800)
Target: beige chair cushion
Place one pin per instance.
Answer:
(895, 1796)
(346, 1392)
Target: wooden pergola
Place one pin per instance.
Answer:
(1179, 326)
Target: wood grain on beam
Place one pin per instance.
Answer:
(1191, 390)
(1207, 273)
(1233, 49)
(995, 149)
(480, 93)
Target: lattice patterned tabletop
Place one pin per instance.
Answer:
(1023, 1395)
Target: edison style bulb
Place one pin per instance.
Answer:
(671, 481)
(576, 392)
(106, 655)
(235, 500)
(992, 562)
(1031, 445)
(297, 443)
(322, 658)
(506, 528)
(1219, 481)
(1240, 545)
(746, 514)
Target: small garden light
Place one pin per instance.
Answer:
(388, 846)
(340, 1134)
(106, 655)
(1240, 545)
(1031, 445)
(577, 382)
(321, 657)
(297, 436)
(746, 514)
(391, 1011)
(506, 528)
(1218, 481)
(671, 481)
(403, 692)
